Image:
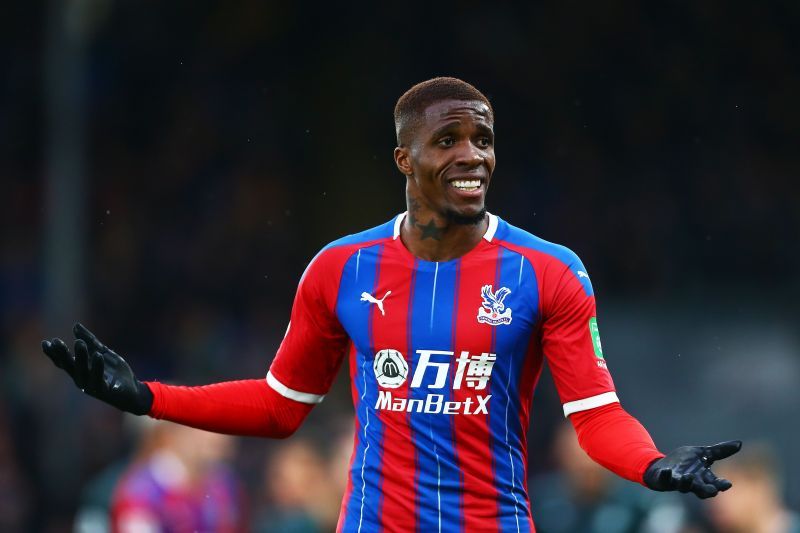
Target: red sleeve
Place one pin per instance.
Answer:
(616, 440)
(315, 343)
(570, 338)
(249, 407)
(571, 342)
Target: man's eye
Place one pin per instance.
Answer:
(484, 142)
(447, 141)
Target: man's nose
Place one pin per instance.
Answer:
(470, 156)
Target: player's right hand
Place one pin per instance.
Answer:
(100, 372)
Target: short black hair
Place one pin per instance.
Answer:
(412, 104)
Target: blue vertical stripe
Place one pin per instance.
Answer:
(360, 274)
(510, 343)
(431, 328)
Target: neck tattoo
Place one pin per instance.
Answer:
(429, 230)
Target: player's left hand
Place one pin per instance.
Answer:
(686, 469)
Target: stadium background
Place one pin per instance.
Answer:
(168, 169)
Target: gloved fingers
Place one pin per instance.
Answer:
(721, 450)
(721, 484)
(81, 332)
(685, 482)
(59, 353)
(703, 490)
(81, 374)
(95, 384)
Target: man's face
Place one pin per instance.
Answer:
(451, 157)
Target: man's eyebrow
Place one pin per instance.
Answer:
(441, 130)
(485, 129)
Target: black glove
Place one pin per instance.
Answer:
(686, 469)
(100, 372)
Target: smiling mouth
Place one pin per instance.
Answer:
(467, 185)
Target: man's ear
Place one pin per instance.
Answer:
(402, 158)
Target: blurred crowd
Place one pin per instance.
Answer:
(227, 143)
(178, 479)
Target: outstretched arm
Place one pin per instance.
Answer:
(248, 407)
(616, 440)
(610, 436)
(304, 368)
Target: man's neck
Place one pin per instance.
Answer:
(433, 237)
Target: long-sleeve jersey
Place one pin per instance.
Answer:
(443, 358)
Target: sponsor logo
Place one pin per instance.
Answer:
(596, 344)
(472, 371)
(367, 297)
(433, 404)
(582, 274)
(493, 311)
(390, 368)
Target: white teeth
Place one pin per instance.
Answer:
(466, 185)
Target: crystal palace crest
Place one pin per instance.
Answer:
(493, 311)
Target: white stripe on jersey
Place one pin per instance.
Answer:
(286, 392)
(590, 403)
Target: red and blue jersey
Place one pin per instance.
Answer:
(444, 358)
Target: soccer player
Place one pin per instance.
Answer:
(444, 315)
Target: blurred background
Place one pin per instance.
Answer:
(169, 168)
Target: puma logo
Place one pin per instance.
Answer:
(367, 297)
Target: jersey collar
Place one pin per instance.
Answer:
(489, 235)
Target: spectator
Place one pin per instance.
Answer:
(299, 488)
(756, 506)
(179, 484)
